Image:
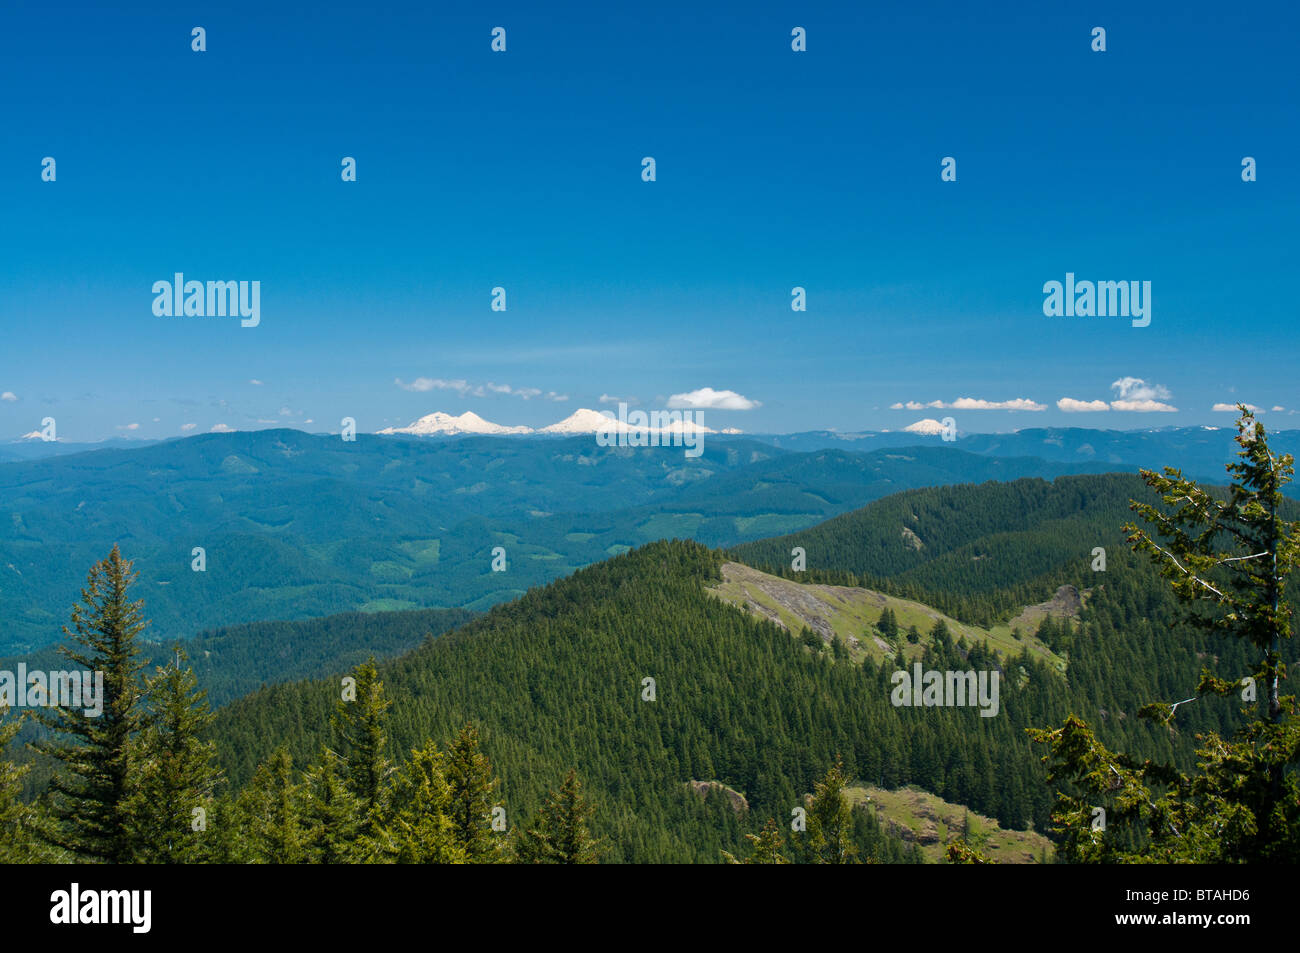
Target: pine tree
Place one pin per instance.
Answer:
(415, 827)
(90, 798)
(559, 832)
(267, 812)
(766, 846)
(1228, 560)
(359, 724)
(330, 813)
(175, 773)
(469, 775)
(830, 820)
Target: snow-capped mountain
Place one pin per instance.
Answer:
(468, 422)
(587, 421)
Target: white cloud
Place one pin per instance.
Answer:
(1143, 406)
(157, 420)
(1278, 408)
(1072, 406)
(128, 426)
(706, 398)
(9, 395)
(927, 426)
(1232, 408)
(1136, 389)
(255, 382)
(221, 428)
(422, 385)
(1135, 394)
(188, 426)
(971, 403)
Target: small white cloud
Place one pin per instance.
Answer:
(309, 421)
(255, 382)
(221, 428)
(422, 385)
(706, 398)
(1136, 389)
(1072, 406)
(1143, 406)
(9, 396)
(972, 403)
(188, 426)
(157, 420)
(1232, 408)
(128, 426)
(1278, 408)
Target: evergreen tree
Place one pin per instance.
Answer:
(330, 814)
(469, 775)
(267, 811)
(765, 845)
(416, 828)
(1228, 560)
(359, 724)
(175, 773)
(558, 832)
(830, 820)
(90, 797)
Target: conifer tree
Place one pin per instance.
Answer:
(765, 846)
(830, 820)
(469, 775)
(330, 813)
(175, 774)
(267, 811)
(559, 831)
(90, 795)
(363, 739)
(415, 826)
(1228, 561)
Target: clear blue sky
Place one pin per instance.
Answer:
(522, 169)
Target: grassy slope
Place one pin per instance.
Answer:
(849, 612)
(932, 823)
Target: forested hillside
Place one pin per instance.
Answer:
(556, 679)
(977, 552)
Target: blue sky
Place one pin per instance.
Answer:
(521, 169)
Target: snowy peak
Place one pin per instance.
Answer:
(468, 422)
(593, 421)
(586, 421)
